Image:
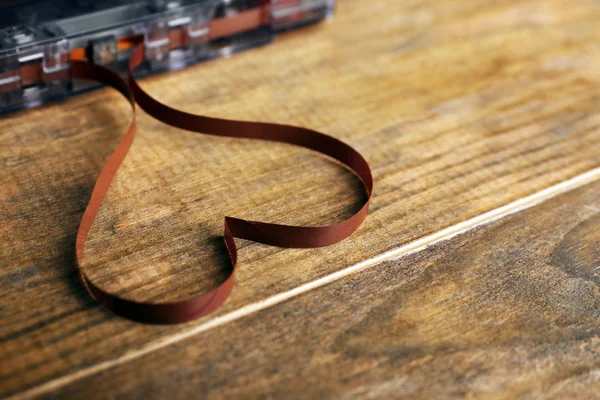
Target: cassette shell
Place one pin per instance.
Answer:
(38, 41)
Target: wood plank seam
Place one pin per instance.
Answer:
(404, 250)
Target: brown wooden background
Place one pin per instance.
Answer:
(461, 107)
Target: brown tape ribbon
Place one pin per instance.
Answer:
(267, 233)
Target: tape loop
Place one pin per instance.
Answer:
(261, 232)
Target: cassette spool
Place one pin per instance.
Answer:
(39, 40)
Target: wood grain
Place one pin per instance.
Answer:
(460, 107)
(508, 310)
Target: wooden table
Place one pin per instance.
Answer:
(476, 274)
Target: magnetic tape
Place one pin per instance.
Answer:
(110, 47)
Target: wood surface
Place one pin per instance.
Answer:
(460, 107)
(508, 310)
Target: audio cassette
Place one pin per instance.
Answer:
(39, 40)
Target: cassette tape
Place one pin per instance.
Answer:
(38, 40)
